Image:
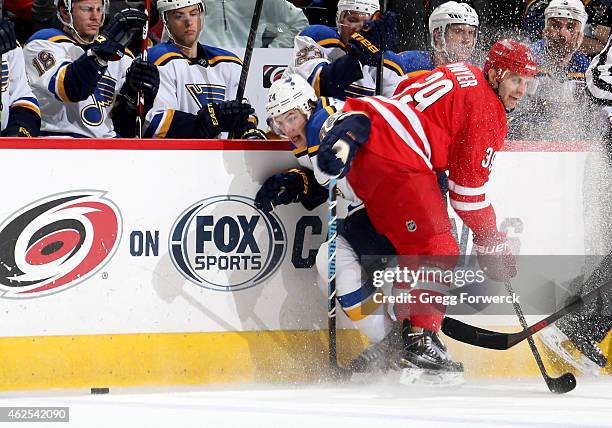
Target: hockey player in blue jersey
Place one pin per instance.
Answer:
(198, 83)
(299, 115)
(341, 62)
(556, 103)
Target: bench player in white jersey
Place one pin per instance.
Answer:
(19, 108)
(298, 114)
(341, 62)
(198, 83)
(75, 72)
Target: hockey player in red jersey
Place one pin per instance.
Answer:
(452, 118)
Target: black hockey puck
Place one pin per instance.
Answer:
(100, 390)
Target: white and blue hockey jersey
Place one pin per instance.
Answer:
(187, 85)
(75, 97)
(307, 156)
(19, 105)
(319, 45)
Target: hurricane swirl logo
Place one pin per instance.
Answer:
(271, 73)
(56, 243)
(225, 243)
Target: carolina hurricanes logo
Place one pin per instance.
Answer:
(56, 243)
(271, 73)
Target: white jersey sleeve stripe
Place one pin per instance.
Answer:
(399, 129)
(466, 191)
(416, 124)
(469, 206)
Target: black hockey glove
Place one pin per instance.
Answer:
(141, 76)
(8, 40)
(376, 36)
(17, 131)
(226, 116)
(341, 135)
(125, 25)
(282, 189)
(254, 134)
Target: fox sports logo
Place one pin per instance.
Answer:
(225, 243)
(56, 243)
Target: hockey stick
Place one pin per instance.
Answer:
(483, 338)
(332, 233)
(380, 68)
(248, 53)
(560, 385)
(143, 50)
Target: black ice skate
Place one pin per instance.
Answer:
(425, 359)
(380, 357)
(557, 337)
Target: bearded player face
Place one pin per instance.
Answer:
(562, 37)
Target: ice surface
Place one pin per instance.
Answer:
(491, 403)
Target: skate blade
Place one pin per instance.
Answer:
(417, 376)
(378, 374)
(553, 339)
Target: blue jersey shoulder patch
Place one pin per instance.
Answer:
(314, 125)
(325, 36)
(415, 61)
(53, 35)
(163, 53)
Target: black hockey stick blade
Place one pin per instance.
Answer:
(473, 335)
(494, 340)
(562, 384)
(484, 338)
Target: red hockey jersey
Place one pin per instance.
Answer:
(458, 98)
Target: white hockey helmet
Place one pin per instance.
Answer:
(68, 4)
(70, 23)
(449, 13)
(164, 6)
(288, 93)
(359, 6)
(570, 9)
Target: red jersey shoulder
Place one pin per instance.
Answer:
(462, 74)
